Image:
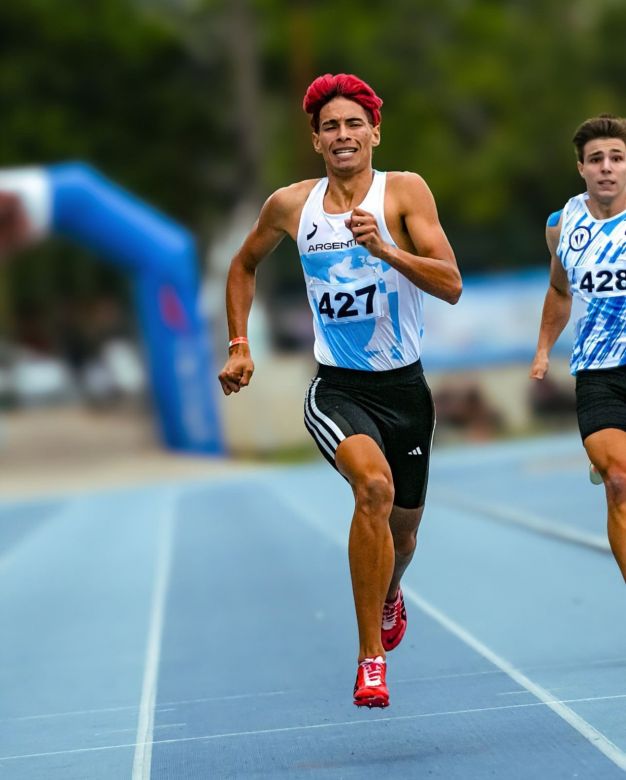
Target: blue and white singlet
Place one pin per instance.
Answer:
(366, 315)
(593, 254)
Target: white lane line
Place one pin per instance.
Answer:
(585, 729)
(170, 706)
(526, 692)
(509, 516)
(560, 708)
(577, 667)
(161, 708)
(142, 760)
(125, 731)
(456, 676)
(313, 727)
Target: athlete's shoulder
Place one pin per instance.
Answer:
(553, 229)
(409, 190)
(406, 179)
(555, 218)
(293, 195)
(284, 205)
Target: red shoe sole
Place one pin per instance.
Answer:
(374, 701)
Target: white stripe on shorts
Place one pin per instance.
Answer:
(324, 439)
(320, 442)
(325, 432)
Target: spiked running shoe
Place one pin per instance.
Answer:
(394, 622)
(370, 688)
(594, 475)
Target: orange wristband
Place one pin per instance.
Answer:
(237, 340)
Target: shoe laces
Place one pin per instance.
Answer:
(373, 670)
(390, 612)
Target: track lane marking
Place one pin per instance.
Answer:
(508, 516)
(312, 727)
(560, 708)
(142, 760)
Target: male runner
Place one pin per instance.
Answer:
(587, 243)
(371, 244)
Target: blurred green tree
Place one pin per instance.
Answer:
(107, 83)
(195, 105)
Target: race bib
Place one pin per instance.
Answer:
(600, 281)
(344, 302)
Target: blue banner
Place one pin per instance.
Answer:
(162, 259)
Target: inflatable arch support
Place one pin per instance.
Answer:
(74, 200)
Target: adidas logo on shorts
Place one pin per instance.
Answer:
(416, 451)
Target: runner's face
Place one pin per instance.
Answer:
(604, 169)
(346, 137)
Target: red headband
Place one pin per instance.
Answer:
(327, 87)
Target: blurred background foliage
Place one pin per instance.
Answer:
(195, 105)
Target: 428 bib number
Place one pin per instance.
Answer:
(602, 281)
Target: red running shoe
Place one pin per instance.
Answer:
(370, 688)
(394, 622)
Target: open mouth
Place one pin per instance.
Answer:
(345, 152)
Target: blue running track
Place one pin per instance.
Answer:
(205, 629)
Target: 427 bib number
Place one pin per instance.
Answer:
(352, 302)
(602, 281)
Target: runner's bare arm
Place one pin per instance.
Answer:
(276, 220)
(13, 224)
(432, 267)
(557, 308)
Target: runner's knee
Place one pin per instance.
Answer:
(374, 493)
(404, 525)
(615, 479)
(405, 542)
(615, 482)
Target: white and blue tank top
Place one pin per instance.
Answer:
(366, 314)
(593, 254)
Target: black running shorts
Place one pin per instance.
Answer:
(601, 400)
(395, 408)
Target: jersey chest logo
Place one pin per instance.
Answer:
(579, 239)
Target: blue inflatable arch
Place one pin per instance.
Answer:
(162, 260)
